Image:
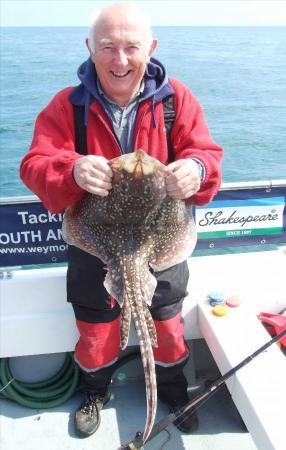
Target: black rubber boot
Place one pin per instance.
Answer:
(96, 382)
(87, 417)
(172, 387)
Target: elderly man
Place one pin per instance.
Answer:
(121, 94)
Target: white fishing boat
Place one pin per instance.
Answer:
(38, 329)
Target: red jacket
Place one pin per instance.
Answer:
(47, 168)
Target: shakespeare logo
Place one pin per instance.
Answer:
(240, 218)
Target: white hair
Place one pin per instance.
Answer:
(144, 21)
(93, 21)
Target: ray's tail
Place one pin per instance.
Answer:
(134, 306)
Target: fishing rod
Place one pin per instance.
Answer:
(137, 442)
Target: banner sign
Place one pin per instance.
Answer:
(242, 217)
(29, 234)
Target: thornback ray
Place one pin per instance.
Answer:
(135, 228)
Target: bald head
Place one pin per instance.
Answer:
(120, 47)
(120, 15)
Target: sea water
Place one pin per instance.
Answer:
(238, 75)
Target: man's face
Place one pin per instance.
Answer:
(122, 52)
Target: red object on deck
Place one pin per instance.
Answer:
(275, 323)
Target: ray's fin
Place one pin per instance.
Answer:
(76, 232)
(125, 320)
(150, 326)
(113, 284)
(175, 236)
(148, 284)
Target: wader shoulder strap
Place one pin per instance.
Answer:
(80, 129)
(169, 116)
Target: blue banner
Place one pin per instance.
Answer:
(29, 234)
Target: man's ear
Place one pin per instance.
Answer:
(153, 47)
(88, 46)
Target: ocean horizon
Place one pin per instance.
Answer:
(237, 73)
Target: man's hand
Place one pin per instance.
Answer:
(93, 174)
(182, 178)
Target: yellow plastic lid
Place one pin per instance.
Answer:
(220, 310)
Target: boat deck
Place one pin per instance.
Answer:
(220, 425)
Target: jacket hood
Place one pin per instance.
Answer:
(156, 86)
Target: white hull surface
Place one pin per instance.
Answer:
(36, 319)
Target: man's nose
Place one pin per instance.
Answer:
(121, 57)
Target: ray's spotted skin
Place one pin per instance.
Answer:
(135, 227)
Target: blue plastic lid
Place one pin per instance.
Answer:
(216, 296)
(217, 302)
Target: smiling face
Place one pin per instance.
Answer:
(122, 49)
